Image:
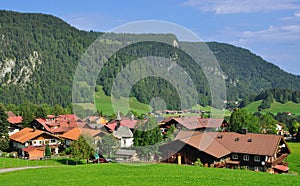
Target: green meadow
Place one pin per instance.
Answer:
(144, 174)
(104, 104)
(275, 107)
(157, 174)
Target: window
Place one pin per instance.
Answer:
(53, 140)
(246, 158)
(257, 158)
(235, 156)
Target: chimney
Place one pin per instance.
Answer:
(244, 131)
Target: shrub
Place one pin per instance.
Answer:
(198, 163)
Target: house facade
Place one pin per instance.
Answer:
(251, 151)
(125, 136)
(30, 139)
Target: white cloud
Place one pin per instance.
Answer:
(242, 6)
(297, 14)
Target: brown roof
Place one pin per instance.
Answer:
(27, 134)
(75, 133)
(196, 122)
(219, 144)
(250, 143)
(204, 142)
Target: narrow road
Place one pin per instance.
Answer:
(20, 168)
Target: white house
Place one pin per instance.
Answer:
(124, 135)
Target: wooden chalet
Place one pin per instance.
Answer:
(252, 151)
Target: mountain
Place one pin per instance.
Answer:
(40, 54)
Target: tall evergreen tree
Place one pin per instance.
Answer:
(4, 141)
(147, 138)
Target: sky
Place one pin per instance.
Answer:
(268, 28)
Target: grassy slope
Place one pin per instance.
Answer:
(276, 107)
(103, 103)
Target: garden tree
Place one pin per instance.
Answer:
(107, 146)
(4, 140)
(147, 139)
(58, 110)
(48, 151)
(27, 110)
(267, 123)
(289, 121)
(170, 134)
(42, 111)
(240, 119)
(81, 149)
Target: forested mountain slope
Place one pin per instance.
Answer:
(39, 55)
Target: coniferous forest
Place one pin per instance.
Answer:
(39, 55)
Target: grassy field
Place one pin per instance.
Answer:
(294, 157)
(287, 107)
(157, 174)
(103, 103)
(16, 162)
(275, 107)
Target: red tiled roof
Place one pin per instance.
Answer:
(27, 134)
(76, 132)
(281, 167)
(31, 148)
(61, 124)
(10, 114)
(15, 119)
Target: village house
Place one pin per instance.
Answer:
(124, 136)
(31, 143)
(75, 133)
(252, 151)
(14, 123)
(57, 125)
(195, 123)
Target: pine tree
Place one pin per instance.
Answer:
(4, 124)
(48, 151)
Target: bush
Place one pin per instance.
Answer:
(13, 154)
(4, 154)
(198, 163)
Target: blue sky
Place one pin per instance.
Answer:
(269, 28)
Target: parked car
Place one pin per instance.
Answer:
(98, 158)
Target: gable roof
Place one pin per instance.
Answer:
(125, 152)
(203, 142)
(123, 132)
(250, 143)
(10, 113)
(27, 134)
(219, 144)
(61, 124)
(15, 119)
(196, 122)
(75, 133)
